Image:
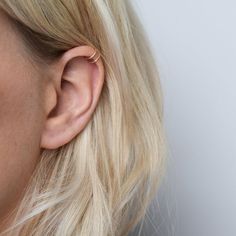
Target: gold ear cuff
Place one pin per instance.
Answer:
(94, 57)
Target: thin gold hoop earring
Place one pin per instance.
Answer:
(93, 58)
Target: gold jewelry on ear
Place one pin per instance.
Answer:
(94, 57)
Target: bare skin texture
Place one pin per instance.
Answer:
(27, 96)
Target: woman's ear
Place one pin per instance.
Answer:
(74, 94)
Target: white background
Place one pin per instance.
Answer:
(195, 45)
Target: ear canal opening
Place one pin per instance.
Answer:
(53, 112)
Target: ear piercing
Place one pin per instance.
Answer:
(94, 57)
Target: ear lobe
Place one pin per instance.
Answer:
(80, 84)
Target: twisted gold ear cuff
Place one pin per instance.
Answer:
(94, 57)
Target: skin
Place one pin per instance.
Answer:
(29, 93)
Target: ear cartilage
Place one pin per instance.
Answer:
(92, 59)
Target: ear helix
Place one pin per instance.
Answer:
(94, 57)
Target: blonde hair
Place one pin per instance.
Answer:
(102, 182)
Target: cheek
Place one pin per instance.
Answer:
(20, 128)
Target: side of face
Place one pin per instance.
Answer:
(21, 118)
